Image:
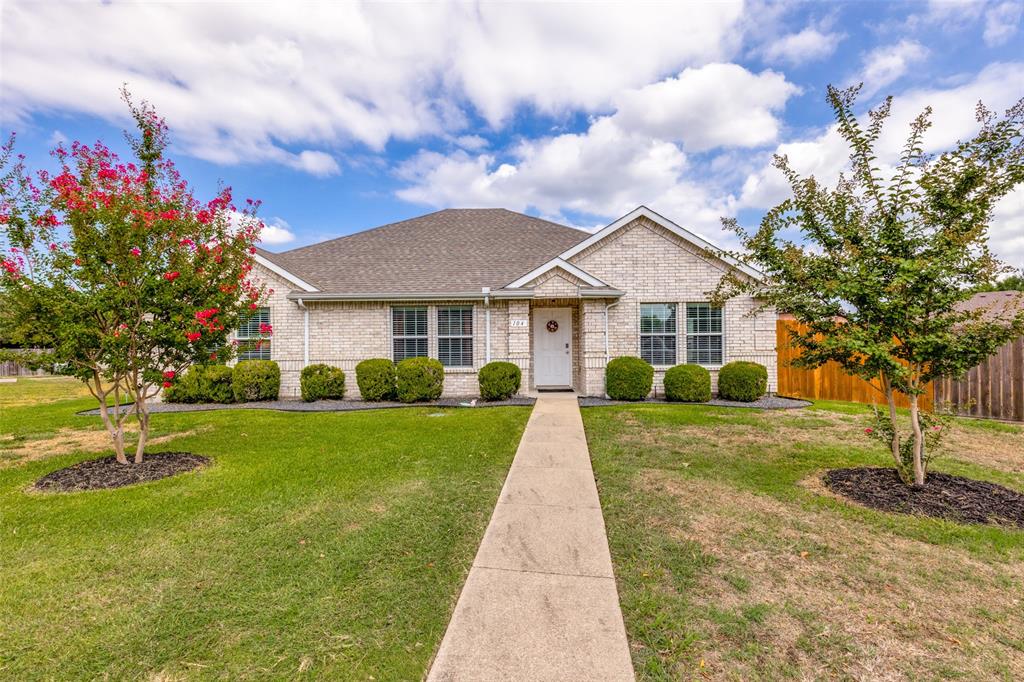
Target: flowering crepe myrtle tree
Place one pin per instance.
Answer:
(875, 269)
(120, 272)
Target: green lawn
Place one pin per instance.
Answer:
(733, 561)
(327, 546)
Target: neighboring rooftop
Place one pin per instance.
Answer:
(456, 250)
(996, 304)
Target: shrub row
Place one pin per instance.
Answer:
(249, 380)
(422, 379)
(379, 379)
(631, 378)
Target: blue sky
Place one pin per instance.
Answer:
(345, 117)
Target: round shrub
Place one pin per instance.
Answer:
(742, 381)
(499, 380)
(628, 378)
(688, 384)
(256, 380)
(202, 384)
(322, 382)
(376, 379)
(419, 379)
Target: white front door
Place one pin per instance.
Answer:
(552, 347)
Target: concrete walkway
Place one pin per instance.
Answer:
(540, 601)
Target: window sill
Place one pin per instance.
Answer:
(460, 370)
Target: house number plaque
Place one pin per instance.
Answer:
(517, 323)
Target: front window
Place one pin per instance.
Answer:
(704, 344)
(408, 333)
(251, 345)
(658, 333)
(455, 336)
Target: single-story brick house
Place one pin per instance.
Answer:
(468, 286)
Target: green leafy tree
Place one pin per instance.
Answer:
(876, 267)
(120, 272)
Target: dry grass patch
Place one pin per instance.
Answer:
(843, 598)
(67, 441)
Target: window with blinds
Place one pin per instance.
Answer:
(455, 336)
(704, 342)
(658, 333)
(250, 345)
(408, 333)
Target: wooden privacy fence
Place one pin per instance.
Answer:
(993, 389)
(828, 382)
(9, 368)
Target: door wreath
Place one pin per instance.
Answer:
(552, 326)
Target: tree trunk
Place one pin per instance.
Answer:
(115, 426)
(142, 413)
(915, 423)
(894, 445)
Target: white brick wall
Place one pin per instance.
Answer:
(652, 265)
(647, 262)
(344, 333)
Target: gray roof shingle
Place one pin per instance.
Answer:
(450, 251)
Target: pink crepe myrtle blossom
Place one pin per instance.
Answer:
(266, 328)
(171, 276)
(193, 336)
(169, 374)
(167, 384)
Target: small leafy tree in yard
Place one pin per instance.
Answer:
(885, 263)
(120, 272)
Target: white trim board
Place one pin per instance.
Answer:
(556, 262)
(278, 270)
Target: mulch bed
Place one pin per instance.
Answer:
(98, 474)
(943, 496)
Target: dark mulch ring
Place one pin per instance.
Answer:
(97, 474)
(943, 496)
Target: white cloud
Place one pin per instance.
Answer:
(885, 65)
(276, 231)
(316, 163)
(1001, 22)
(1001, 19)
(248, 83)
(808, 45)
(717, 105)
(1007, 235)
(636, 155)
(472, 142)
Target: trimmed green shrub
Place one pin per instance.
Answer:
(419, 379)
(322, 382)
(499, 380)
(202, 384)
(256, 380)
(688, 384)
(376, 379)
(742, 381)
(628, 378)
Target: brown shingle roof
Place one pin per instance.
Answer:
(450, 251)
(998, 305)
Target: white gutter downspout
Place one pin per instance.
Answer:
(607, 353)
(305, 333)
(487, 323)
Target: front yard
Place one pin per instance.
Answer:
(315, 545)
(733, 561)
